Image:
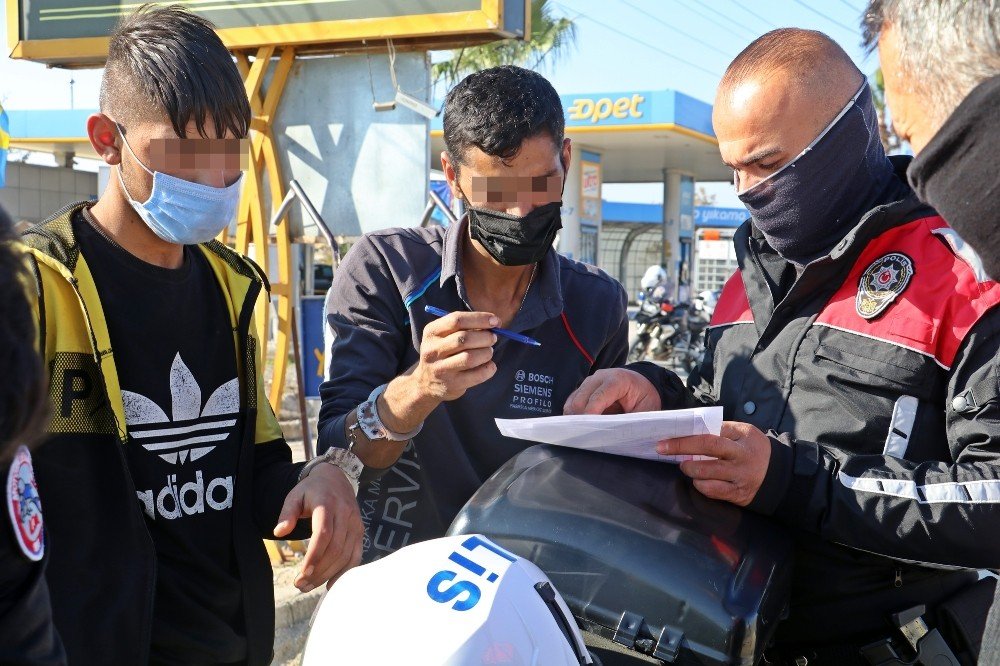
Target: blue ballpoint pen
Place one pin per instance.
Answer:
(438, 312)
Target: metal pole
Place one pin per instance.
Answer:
(448, 212)
(307, 443)
(663, 223)
(317, 218)
(282, 209)
(428, 210)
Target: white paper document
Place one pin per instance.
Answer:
(633, 435)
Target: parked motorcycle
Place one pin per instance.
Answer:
(689, 346)
(672, 333)
(569, 558)
(655, 331)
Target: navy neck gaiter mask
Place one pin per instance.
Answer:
(957, 172)
(807, 206)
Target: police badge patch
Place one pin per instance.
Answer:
(880, 284)
(25, 506)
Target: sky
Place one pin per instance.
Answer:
(620, 45)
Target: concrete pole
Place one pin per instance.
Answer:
(569, 235)
(671, 227)
(664, 236)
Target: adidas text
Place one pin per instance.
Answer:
(174, 501)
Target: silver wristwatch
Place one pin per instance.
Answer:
(371, 424)
(342, 458)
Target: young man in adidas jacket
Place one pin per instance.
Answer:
(165, 467)
(855, 355)
(415, 395)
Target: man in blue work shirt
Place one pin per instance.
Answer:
(415, 396)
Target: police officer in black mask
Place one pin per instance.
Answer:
(27, 634)
(413, 393)
(855, 355)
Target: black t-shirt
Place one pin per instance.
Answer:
(175, 355)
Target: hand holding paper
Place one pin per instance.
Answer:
(634, 435)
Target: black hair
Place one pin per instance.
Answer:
(872, 24)
(166, 60)
(497, 109)
(23, 402)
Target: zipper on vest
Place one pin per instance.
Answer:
(897, 580)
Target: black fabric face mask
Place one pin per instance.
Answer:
(957, 173)
(807, 206)
(514, 240)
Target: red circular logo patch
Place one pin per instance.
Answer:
(25, 506)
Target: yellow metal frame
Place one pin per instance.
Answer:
(53, 139)
(254, 216)
(437, 27)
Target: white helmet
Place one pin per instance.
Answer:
(454, 601)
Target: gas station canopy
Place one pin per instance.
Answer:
(51, 131)
(638, 134)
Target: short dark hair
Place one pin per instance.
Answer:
(22, 392)
(166, 60)
(802, 52)
(497, 109)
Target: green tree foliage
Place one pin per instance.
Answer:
(551, 36)
(890, 140)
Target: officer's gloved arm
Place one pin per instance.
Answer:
(28, 634)
(673, 393)
(936, 512)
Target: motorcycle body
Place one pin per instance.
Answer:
(672, 333)
(453, 601)
(689, 346)
(656, 329)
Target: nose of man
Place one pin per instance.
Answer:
(213, 177)
(522, 208)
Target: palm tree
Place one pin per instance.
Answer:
(890, 140)
(550, 36)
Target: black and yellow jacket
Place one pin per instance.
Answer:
(102, 572)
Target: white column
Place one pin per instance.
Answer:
(671, 225)
(581, 210)
(569, 236)
(103, 176)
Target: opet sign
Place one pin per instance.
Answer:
(596, 110)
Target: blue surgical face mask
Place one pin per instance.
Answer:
(806, 207)
(180, 211)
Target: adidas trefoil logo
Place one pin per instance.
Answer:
(188, 435)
